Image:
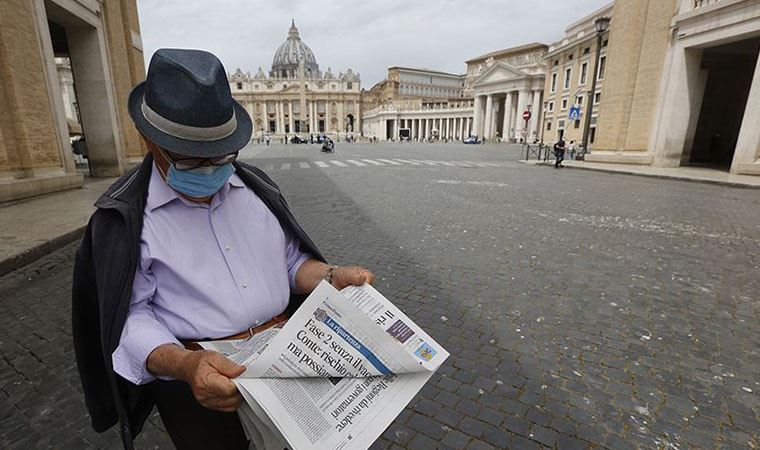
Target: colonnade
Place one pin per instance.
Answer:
(287, 112)
(502, 113)
(449, 128)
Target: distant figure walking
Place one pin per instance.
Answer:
(266, 139)
(571, 149)
(559, 152)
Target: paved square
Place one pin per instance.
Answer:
(581, 309)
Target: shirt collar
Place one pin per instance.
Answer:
(160, 193)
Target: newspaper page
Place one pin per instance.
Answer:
(339, 372)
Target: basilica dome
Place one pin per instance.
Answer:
(290, 53)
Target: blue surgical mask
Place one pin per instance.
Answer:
(204, 181)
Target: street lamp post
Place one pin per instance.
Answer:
(602, 24)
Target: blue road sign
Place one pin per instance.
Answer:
(575, 113)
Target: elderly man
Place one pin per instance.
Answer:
(191, 245)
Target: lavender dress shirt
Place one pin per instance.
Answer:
(205, 271)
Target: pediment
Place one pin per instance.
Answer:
(499, 72)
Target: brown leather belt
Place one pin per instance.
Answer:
(193, 344)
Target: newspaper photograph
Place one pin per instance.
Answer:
(337, 373)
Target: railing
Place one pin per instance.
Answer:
(541, 152)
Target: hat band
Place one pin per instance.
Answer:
(188, 132)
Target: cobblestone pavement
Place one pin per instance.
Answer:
(581, 309)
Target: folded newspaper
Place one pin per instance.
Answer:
(336, 374)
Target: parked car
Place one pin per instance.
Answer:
(298, 140)
(471, 140)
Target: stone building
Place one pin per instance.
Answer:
(504, 84)
(102, 41)
(296, 97)
(682, 85)
(570, 66)
(417, 104)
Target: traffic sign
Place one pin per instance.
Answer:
(575, 113)
(527, 115)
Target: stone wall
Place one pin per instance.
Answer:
(639, 40)
(27, 130)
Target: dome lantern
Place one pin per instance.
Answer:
(290, 54)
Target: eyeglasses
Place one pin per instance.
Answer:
(194, 163)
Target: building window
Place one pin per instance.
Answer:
(568, 74)
(548, 126)
(587, 50)
(584, 73)
(551, 106)
(349, 85)
(556, 62)
(602, 66)
(239, 85)
(577, 124)
(606, 41)
(592, 135)
(597, 98)
(570, 57)
(554, 82)
(564, 104)
(579, 100)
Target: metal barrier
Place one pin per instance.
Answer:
(541, 152)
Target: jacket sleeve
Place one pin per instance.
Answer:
(85, 320)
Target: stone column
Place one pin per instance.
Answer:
(328, 117)
(507, 125)
(522, 106)
(460, 135)
(291, 120)
(747, 151)
(535, 120)
(477, 113)
(489, 117)
(429, 125)
(341, 118)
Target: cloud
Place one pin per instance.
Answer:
(367, 36)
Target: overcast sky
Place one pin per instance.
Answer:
(367, 36)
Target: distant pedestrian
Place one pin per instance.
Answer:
(559, 152)
(266, 139)
(571, 149)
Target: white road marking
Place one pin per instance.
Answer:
(321, 164)
(285, 166)
(374, 163)
(406, 161)
(303, 165)
(393, 163)
(338, 163)
(356, 163)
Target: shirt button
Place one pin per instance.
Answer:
(245, 285)
(226, 247)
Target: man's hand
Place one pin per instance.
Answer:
(345, 276)
(209, 375)
(312, 272)
(207, 372)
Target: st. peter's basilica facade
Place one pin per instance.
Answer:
(296, 97)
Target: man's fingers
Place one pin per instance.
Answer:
(226, 367)
(221, 386)
(369, 277)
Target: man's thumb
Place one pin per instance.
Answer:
(227, 367)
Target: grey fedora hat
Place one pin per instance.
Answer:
(185, 105)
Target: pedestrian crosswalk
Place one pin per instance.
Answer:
(377, 162)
